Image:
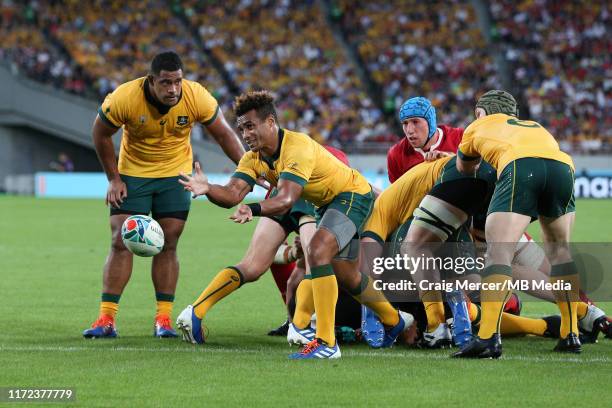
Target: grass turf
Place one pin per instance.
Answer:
(51, 256)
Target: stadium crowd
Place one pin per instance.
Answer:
(558, 55)
(24, 43)
(414, 48)
(318, 87)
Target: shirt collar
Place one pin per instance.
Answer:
(435, 145)
(270, 160)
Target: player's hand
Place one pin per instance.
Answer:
(196, 183)
(242, 215)
(116, 192)
(262, 182)
(435, 155)
(297, 245)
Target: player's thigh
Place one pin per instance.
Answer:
(322, 248)
(503, 230)
(267, 237)
(173, 228)
(344, 218)
(116, 222)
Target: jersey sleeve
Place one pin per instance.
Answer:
(246, 169)
(392, 166)
(299, 163)
(466, 150)
(207, 107)
(114, 110)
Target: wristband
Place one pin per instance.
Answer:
(255, 209)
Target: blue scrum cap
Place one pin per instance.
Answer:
(420, 107)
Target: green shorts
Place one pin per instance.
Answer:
(163, 197)
(345, 216)
(357, 207)
(534, 186)
(291, 220)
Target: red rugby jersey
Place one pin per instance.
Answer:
(402, 156)
(340, 155)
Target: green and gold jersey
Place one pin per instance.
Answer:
(304, 161)
(395, 205)
(500, 139)
(156, 138)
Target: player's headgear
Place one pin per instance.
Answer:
(497, 101)
(420, 107)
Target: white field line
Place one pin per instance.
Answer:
(346, 353)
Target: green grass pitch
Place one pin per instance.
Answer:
(51, 256)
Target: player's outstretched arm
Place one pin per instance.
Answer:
(103, 143)
(226, 137)
(224, 196)
(288, 193)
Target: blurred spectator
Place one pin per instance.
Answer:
(63, 164)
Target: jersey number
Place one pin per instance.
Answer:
(523, 123)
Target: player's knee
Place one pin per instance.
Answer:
(319, 253)
(117, 244)
(170, 246)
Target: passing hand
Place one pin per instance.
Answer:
(196, 183)
(242, 215)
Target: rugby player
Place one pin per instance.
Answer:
(300, 167)
(418, 118)
(157, 113)
(433, 201)
(267, 247)
(535, 181)
(418, 200)
(287, 272)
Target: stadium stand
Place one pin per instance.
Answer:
(317, 87)
(412, 48)
(559, 55)
(24, 43)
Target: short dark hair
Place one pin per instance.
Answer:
(262, 101)
(166, 61)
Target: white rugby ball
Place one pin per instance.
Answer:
(142, 235)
